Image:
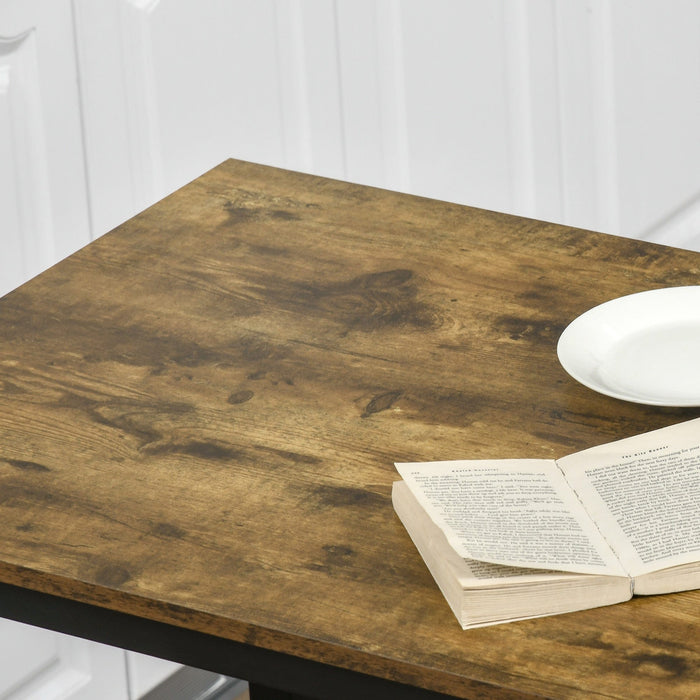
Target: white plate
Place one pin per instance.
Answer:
(643, 347)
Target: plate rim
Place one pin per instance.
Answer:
(641, 398)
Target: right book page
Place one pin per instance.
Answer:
(644, 494)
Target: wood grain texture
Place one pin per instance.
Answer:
(200, 412)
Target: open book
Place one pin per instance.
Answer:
(517, 538)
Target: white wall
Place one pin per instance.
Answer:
(582, 112)
(43, 200)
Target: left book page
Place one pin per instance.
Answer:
(480, 593)
(517, 512)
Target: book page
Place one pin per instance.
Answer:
(480, 593)
(435, 549)
(514, 512)
(644, 492)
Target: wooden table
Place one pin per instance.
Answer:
(199, 417)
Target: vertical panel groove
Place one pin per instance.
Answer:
(519, 105)
(392, 95)
(279, 23)
(559, 106)
(30, 232)
(142, 106)
(294, 93)
(341, 105)
(74, 10)
(604, 114)
(586, 99)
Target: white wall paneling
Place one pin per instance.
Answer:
(518, 71)
(454, 68)
(534, 115)
(15, 237)
(372, 90)
(136, 20)
(605, 152)
(309, 63)
(392, 96)
(656, 73)
(581, 112)
(121, 141)
(40, 665)
(217, 84)
(623, 116)
(356, 34)
(42, 179)
(145, 672)
(170, 89)
(123, 152)
(297, 152)
(584, 113)
(554, 110)
(342, 109)
(41, 130)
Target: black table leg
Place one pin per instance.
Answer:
(261, 692)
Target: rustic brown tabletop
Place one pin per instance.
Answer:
(200, 412)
